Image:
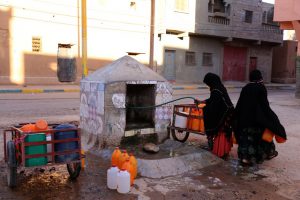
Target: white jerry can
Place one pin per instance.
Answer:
(112, 174)
(123, 181)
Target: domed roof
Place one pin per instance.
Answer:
(125, 68)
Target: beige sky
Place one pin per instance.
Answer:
(269, 1)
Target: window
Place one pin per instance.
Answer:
(219, 6)
(190, 58)
(181, 5)
(248, 16)
(207, 59)
(36, 44)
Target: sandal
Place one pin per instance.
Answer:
(273, 155)
(245, 162)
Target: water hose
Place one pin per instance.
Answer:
(154, 106)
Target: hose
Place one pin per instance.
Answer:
(154, 106)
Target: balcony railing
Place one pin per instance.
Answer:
(218, 20)
(271, 28)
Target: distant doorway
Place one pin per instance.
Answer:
(252, 64)
(234, 65)
(169, 67)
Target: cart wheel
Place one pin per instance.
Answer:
(11, 165)
(74, 170)
(180, 136)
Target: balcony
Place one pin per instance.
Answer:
(218, 20)
(271, 28)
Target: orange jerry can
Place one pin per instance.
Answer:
(129, 168)
(115, 157)
(267, 135)
(122, 158)
(196, 124)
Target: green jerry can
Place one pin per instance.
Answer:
(36, 149)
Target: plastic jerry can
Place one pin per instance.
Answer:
(112, 174)
(123, 157)
(49, 147)
(128, 167)
(123, 181)
(181, 121)
(115, 156)
(65, 146)
(134, 164)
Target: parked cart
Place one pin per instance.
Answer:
(55, 146)
(187, 118)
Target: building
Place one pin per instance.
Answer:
(284, 62)
(288, 14)
(228, 37)
(191, 38)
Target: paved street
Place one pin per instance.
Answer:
(275, 179)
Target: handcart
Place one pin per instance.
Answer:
(17, 146)
(187, 118)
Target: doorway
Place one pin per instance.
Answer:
(169, 69)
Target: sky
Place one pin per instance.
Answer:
(269, 1)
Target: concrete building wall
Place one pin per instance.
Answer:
(114, 28)
(264, 60)
(284, 63)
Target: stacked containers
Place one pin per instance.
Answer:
(59, 147)
(197, 124)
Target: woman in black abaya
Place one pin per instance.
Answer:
(252, 116)
(217, 116)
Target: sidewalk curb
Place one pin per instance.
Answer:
(32, 91)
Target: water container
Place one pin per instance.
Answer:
(267, 135)
(115, 156)
(123, 181)
(181, 121)
(49, 147)
(195, 123)
(28, 128)
(66, 63)
(112, 174)
(134, 164)
(279, 139)
(59, 147)
(35, 149)
(83, 165)
(123, 157)
(129, 168)
(41, 125)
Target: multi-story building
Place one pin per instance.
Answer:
(228, 37)
(191, 37)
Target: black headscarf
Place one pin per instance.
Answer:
(253, 108)
(217, 105)
(255, 76)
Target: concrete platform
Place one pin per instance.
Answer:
(174, 158)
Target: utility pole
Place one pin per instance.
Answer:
(84, 39)
(152, 30)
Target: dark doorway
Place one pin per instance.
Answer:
(252, 64)
(140, 95)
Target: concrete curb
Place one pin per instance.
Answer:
(188, 87)
(30, 91)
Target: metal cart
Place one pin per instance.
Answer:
(181, 134)
(15, 148)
